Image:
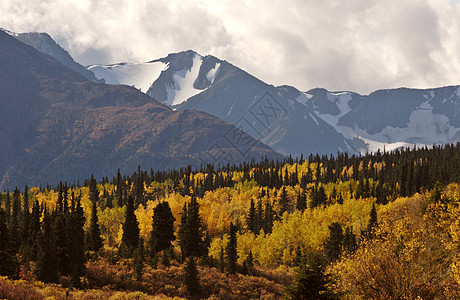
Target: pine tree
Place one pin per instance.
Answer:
(130, 238)
(93, 236)
(34, 231)
(76, 238)
(182, 234)
(333, 244)
(7, 207)
(162, 228)
(139, 259)
(349, 240)
(231, 252)
(284, 202)
(14, 224)
(47, 263)
(372, 225)
(192, 234)
(251, 217)
(61, 242)
(301, 204)
(8, 258)
(311, 281)
(191, 278)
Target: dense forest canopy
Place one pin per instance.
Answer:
(382, 225)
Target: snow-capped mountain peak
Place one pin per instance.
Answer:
(171, 80)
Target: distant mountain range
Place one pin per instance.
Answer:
(316, 121)
(58, 125)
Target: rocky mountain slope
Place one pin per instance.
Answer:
(316, 121)
(57, 125)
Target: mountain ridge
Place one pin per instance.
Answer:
(357, 124)
(57, 124)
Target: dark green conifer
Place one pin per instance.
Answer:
(251, 217)
(372, 225)
(333, 244)
(162, 233)
(130, 238)
(139, 259)
(191, 278)
(47, 263)
(311, 280)
(7, 255)
(93, 236)
(231, 252)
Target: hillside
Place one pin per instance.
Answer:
(315, 121)
(56, 123)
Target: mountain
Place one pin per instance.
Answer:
(316, 121)
(57, 125)
(44, 43)
(187, 80)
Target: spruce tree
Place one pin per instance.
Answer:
(139, 259)
(76, 238)
(191, 278)
(301, 204)
(14, 224)
(61, 233)
(192, 234)
(130, 238)
(93, 236)
(7, 255)
(311, 280)
(251, 217)
(231, 252)
(162, 233)
(333, 244)
(47, 263)
(7, 207)
(284, 202)
(372, 225)
(349, 240)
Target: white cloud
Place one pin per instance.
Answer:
(359, 45)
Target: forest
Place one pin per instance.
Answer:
(377, 226)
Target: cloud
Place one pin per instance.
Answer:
(359, 45)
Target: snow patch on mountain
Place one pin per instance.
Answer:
(341, 100)
(184, 80)
(139, 75)
(424, 129)
(212, 73)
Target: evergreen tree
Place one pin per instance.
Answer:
(251, 217)
(162, 228)
(372, 225)
(284, 202)
(7, 255)
(34, 231)
(75, 242)
(7, 207)
(61, 242)
(232, 254)
(182, 234)
(349, 240)
(14, 224)
(130, 238)
(191, 278)
(333, 244)
(139, 259)
(192, 235)
(47, 263)
(311, 281)
(93, 236)
(301, 204)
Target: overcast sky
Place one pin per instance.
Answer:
(358, 45)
